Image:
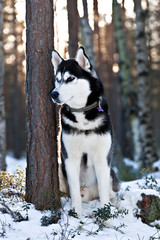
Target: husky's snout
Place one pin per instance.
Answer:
(54, 96)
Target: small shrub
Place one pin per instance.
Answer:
(12, 187)
(104, 213)
(101, 215)
(4, 226)
(13, 182)
(3, 229)
(54, 217)
(26, 207)
(72, 213)
(151, 183)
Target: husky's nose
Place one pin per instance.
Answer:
(54, 95)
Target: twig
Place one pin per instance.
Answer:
(15, 215)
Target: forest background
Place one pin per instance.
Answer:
(109, 32)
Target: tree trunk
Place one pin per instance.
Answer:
(2, 104)
(97, 43)
(125, 79)
(72, 27)
(16, 105)
(147, 154)
(41, 140)
(149, 209)
(86, 35)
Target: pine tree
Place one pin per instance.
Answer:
(2, 104)
(97, 41)
(125, 80)
(86, 34)
(14, 79)
(148, 154)
(73, 26)
(42, 164)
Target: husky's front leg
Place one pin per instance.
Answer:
(103, 179)
(102, 167)
(73, 171)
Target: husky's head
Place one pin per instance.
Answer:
(76, 83)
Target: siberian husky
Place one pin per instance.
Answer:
(86, 138)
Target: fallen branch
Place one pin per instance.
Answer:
(16, 215)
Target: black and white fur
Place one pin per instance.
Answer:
(86, 140)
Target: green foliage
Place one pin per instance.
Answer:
(101, 215)
(98, 217)
(26, 207)
(72, 213)
(54, 217)
(104, 213)
(151, 183)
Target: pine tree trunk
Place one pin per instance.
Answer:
(97, 43)
(16, 121)
(125, 79)
(41, 140)
(72, 27)
(86, 35)
(147, 154)
(2, 104)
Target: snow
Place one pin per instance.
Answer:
(132, 228)
(156, 164)
(12, 163)
(131, 163)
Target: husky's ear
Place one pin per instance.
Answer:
(83, 60)
(56, 59)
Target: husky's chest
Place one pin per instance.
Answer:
(94, 146)
(81, 123)
(84, 135)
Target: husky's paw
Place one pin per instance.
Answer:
(85, 195)
(78, 208)
(108, 223)
(114, 199)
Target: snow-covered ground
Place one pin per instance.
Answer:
(12, 163)
(126, 227)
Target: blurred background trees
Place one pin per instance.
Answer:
(109, 31)
(14, 79)
(2, 103)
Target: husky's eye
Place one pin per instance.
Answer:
(57, 80)
(70, 79)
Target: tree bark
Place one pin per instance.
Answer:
(97, 43)
(16, 105)
(73, 23)
(125, 80)
(149, 208)
(148, 154)
(41, 140)
(86, 35)
(2, 103)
